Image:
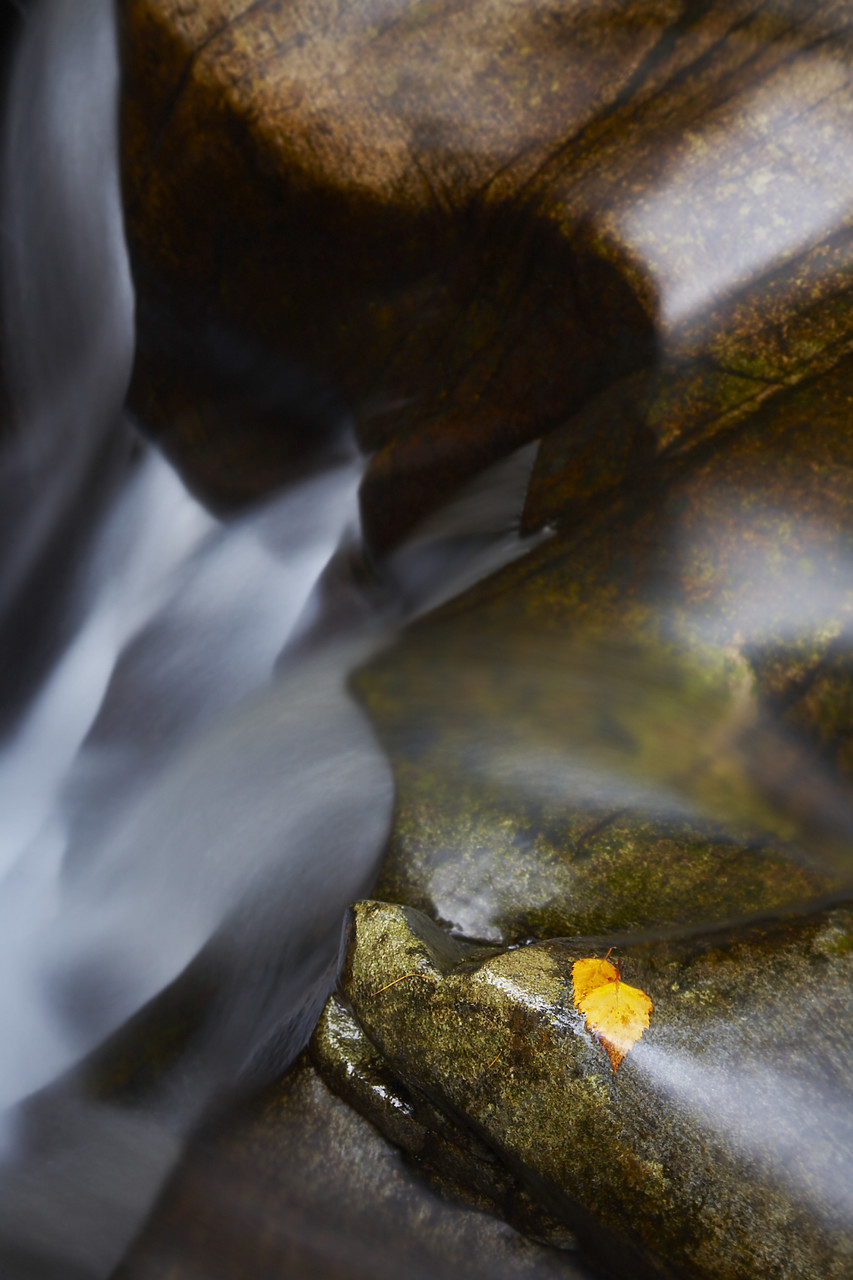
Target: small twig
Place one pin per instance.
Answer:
(494, 1059)
(394, 983)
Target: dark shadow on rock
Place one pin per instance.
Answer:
(456, 326)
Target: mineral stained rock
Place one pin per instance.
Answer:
(717, 1151)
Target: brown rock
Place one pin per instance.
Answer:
(713, 1153)
(299, 1185)
(470, 219)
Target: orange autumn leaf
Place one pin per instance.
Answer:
(616, 1014)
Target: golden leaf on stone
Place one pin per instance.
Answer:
(616, 1014)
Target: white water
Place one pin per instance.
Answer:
(160, 622)
(181, 766)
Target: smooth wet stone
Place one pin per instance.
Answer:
(694, 607)
(721, 1147)
(286, 172)
(628, 229)
(646, 720)
(464, 1168)
(297, 1184)
(476, 220)
(545, 787)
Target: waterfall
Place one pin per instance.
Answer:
(182, 771)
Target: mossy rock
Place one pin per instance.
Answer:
(473, 225)
(713, 1153)
(644, 721)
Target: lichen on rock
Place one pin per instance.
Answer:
(715, 1150)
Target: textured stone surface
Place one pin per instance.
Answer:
(627, 227)
(299, 1185)
(645, 720)
(454, 1158)
(719, 1148)
(471, 218)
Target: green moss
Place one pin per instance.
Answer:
(643, 1156)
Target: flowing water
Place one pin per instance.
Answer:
(181, 765)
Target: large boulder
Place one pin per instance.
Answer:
(716, 1151)
(475, 219)
(645, 721)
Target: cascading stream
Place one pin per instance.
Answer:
(174, 774)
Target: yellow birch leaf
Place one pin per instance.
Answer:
(616, 1014)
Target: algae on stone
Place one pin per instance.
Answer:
(643, 722)
(719, 1150)
(451, 1158)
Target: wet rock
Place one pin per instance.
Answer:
(643, 722)
(718, 1150)
(431, 238)
(545, 788)
(627, 228)
(439, 301)
(473, 220)
(298, 1184)
(593, 225)
(464, 1168)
